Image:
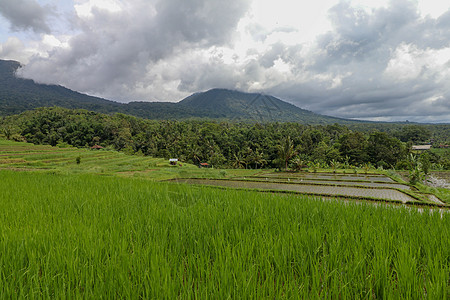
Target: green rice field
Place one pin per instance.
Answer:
(378, 187)
(112, 226)
(93, 236)
(47, 159)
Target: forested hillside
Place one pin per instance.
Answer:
(238, 106)
(18, 95)
(226, 144)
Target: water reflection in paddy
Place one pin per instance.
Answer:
(330, 182)
(331, 176)
(383, 194)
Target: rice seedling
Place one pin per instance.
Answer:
(88, 236)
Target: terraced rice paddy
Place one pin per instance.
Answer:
(40, 157)
(322, 190)
(23, 156)
(376, 187)
(331, 176)
(307, 180)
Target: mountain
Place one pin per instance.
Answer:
(241, 106)
(18, 95)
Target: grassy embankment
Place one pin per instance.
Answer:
(442, 194)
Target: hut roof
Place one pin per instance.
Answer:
(421, 147)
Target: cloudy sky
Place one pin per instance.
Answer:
(366, 59)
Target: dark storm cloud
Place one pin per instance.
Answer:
(198, 21)
(359, 35)
(25, 15)
(116, 49)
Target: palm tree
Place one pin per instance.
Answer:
(239, 162)
(286, 150)
(416, 173)
(248, 156)
(334, 164)
(195, 153)
(298, 163)
(7, 131)
(258, 158)
(314, 166)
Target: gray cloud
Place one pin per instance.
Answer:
(362, 45)
(116, 49)
(346, 74)
(204, 22)
(379, 64)
(25, 15)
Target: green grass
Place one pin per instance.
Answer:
(90, 236)
(42, 158)
(441, 151)
(442, 193)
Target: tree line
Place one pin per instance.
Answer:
(225, 144)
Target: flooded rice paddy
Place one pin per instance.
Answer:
(374, 187)
(324, 190)
(305, 180)
(332, 176)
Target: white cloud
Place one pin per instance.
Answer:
(86, 8)
(433, 8)
(13, 49)
(408, 62)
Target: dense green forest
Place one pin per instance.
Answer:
(231, 144)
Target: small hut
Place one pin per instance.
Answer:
(96, 147)
(421, 147)
(173, 161)
(203, 165)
